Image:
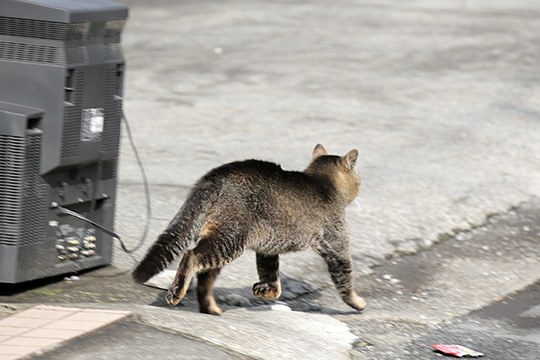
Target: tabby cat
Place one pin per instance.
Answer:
(257, 205)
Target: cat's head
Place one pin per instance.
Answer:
(340, 170)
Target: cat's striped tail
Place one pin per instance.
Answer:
(182, 230)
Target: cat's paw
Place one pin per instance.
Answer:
(174, 295)
(207, 305)
(268, 291)
(171, 299)
(356, 302)
(212, 310)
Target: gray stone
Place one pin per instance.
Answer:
(261, 334)
(163, 280)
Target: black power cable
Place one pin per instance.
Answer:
(64, 211)
(146, 190)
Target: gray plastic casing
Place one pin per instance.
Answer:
(61, 89)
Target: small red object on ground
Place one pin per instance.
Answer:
(456, 350)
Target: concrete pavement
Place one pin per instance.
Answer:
(440, 99)
(472, 290)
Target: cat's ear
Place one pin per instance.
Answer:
(318, 151)
(349, 160)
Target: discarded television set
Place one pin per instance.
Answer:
(61, 80)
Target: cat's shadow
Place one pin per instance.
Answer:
(296, 295)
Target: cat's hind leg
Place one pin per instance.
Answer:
(269, 286)
(205, 282)
(217, 246)
(181, 282)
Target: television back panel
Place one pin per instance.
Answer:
(61, 73)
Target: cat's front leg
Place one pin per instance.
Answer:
(269, 286)
(335, 251)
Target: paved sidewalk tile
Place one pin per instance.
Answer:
(43, 327)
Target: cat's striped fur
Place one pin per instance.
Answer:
(257, 205)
